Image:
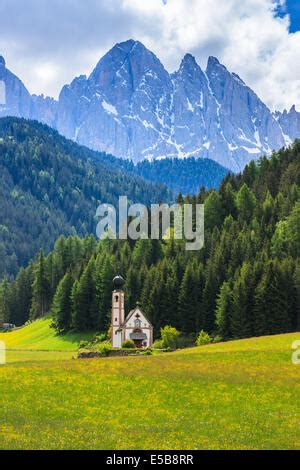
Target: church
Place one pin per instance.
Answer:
(135, 326)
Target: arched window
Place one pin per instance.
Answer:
(117, 298)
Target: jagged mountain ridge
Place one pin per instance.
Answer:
(131, 107)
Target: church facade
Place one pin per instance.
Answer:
(135, 326)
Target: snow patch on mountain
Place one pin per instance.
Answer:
(109, 108)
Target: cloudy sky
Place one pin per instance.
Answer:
(49, 42)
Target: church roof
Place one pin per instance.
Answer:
(136, 310)
(138, 335)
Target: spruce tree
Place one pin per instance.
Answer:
(85, 312)
(223, 311)
(270, 305)
(22, 297)
(246, 203)
(62, 304)
(40, 289)
(104, 277)
(189, 300)
(5, 310)
(242, 304)
(213, 210)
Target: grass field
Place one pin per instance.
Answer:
(236, 395)
(39, 335)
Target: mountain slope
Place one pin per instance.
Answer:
(51, 186)
(183, 176)
(132, 107)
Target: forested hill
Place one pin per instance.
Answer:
(244, 282)
(51, 186)
(184, 176)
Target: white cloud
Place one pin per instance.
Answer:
(245, 36)
(50, 43)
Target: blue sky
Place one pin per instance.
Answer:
(48, 43)
(292, 8)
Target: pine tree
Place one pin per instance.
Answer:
(189, 301)
(147, 288)
(270, 305)
(210, 292)
(40, 289)
(223, 311)
(286, 320)
(242, 304)
(22, 297)
(152, 296)
(62, 304)
(213, 210)
(5, 310)
(246, 203)
(170, 299)
(228, 199)
(85, 312)
(104, 276)
(132, 288)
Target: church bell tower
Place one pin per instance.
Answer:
(117, 312)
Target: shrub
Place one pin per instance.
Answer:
(158, 344)
(128, 344)
(101, 338)
(217, 339)
(169, 336)
(203, 338)
(146, 352)
(186, 341)
(104, 348)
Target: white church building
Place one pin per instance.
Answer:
(135, 326)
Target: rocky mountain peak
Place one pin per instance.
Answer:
(189, 66)
(129, 45)
(213, 62)
(188, 61)
(2, 61)
(125, 65)
(131, 107)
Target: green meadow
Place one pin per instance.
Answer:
(238, 395)
(39, 336)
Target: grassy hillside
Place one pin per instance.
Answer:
(39, 336)
(242, 395)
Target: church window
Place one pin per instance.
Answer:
(117, 298)
(116, 319)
